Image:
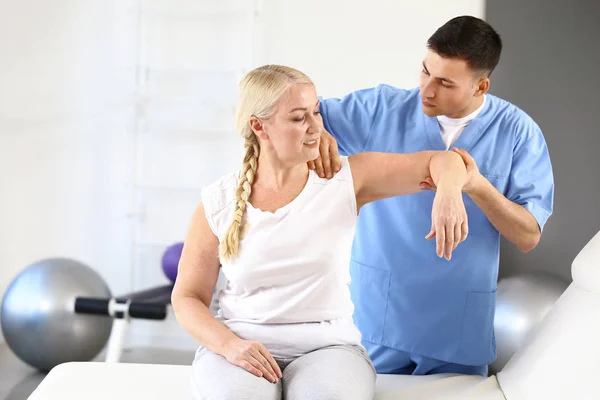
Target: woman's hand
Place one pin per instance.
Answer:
(449, 222)
(254, 358)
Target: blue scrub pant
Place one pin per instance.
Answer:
(392, 361)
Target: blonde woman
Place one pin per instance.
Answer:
(282, 237)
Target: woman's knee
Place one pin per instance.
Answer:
(361, 389)
(214, 378)
(342, 372)
(231, 389)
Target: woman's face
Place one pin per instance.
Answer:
(293, 133)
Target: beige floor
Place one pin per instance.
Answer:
(18, 380)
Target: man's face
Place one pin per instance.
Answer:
(448, 86)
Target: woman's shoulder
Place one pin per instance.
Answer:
(344, 174)
(221, 193)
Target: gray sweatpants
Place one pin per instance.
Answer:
(331, 373)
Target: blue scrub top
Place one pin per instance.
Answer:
(407, 298)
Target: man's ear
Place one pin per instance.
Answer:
(483, 85)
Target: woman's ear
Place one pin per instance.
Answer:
(258, 127)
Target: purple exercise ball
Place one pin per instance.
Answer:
(170, 260)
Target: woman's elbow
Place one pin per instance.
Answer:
(181, 299)
(175, 301)
(178, 299)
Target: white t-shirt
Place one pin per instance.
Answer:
(451, 128)
(288, 286)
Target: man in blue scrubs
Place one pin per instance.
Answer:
(420, 313)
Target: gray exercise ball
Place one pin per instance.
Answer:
(38, 318)
(522, 302)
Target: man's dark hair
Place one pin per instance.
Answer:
(470, 39)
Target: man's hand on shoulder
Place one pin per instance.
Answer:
(328, 162)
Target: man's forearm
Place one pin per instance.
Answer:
(513, 221)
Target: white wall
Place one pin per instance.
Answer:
(66, 86)
(354, 44)
(112, 121)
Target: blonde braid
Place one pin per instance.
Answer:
(231, 243)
